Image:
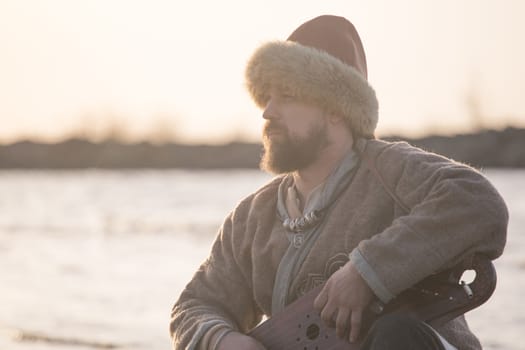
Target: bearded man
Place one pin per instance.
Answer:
(365, 217)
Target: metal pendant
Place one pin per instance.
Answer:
(298, 240)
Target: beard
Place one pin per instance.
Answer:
(286, 153)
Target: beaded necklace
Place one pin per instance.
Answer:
(334, 186)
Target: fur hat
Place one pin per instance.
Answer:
(323, 62)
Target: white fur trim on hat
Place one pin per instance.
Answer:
(315, 76)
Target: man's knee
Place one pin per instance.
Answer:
(394, 326)
(392, 332)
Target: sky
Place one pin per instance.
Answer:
(175, 69)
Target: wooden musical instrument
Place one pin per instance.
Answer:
(436, 300)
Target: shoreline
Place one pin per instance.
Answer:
(487, 148)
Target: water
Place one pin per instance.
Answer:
(95, 259)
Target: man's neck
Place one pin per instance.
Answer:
(310, 177)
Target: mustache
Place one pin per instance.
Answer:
(273, 126)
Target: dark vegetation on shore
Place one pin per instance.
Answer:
(484, 149)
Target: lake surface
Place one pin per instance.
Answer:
(96, 259)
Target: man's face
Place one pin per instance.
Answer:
(294, 135)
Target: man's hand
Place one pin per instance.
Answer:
(239, 341)
(344, 298)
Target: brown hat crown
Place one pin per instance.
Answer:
(336, 36)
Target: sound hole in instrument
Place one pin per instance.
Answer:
(310, 334)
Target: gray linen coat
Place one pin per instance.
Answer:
(453, 212)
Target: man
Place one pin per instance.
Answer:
(367, 217)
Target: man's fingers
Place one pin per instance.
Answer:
(327, 315)
(355, 324)
(341, 323)
(321, 299)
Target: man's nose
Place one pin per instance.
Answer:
(270, 111)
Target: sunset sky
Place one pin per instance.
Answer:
(177, 67)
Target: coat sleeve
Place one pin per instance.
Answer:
(453, 212)
(219, 297)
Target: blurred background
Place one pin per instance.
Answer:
(173, 70)
(126, 136)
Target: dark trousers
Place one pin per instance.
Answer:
(400, 332)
